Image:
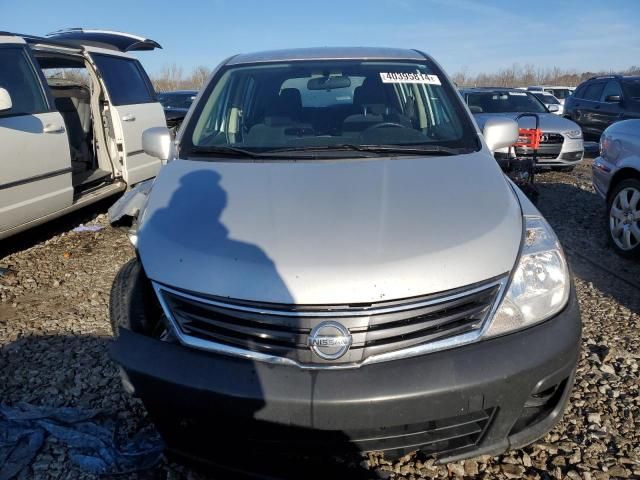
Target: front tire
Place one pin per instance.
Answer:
(132, 303)
(624, 218)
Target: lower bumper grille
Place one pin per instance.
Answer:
(284, 330)
(435, 437)
(571, 155)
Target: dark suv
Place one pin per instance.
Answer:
(601, 101)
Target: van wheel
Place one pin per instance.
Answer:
(132, 304)
(624, 218)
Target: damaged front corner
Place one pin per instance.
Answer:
(129, 206)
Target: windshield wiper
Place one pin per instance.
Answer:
(413, 149)
(226, 151)
(381, 149)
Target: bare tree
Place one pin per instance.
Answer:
(516, 76)
(171, 77)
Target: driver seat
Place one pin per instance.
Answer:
(375, 107)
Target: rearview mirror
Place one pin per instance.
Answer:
(328, 83)
(156, 142)
(5, 100)
(613, 99)
(500, 133)
(553, 108)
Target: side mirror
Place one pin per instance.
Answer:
(156, 142)
(5, 100)
(553, 108)
(613, 98)
(500, 133)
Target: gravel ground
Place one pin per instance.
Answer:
(54, 331)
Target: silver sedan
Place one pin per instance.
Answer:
(616, 176)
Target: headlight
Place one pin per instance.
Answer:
(574, 134)
(540, 284)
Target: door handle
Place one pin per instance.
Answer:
(52, 128)
(129, 118)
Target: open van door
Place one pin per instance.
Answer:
(132, 103)
(133, 107)
(35, 171)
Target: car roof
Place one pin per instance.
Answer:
(327, 53)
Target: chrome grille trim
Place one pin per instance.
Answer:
(434, 346)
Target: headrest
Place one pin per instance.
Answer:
(370, 92)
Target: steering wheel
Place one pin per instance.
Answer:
(385, 125)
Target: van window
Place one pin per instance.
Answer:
(18, 77)
(126, 80)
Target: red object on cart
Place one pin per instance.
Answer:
(529, 138)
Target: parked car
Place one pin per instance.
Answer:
(560, 92)
(176, 105)
(601, 101)
(548, 100)
(334, 260)
(616, 177)
(561, 147)
(67, 143)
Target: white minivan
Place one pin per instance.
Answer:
(73, 106)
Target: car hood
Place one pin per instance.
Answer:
(329, 232)
(548, 121)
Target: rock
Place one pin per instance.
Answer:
(471, 468)
(607, 369)
(618, 471)
(512, 471)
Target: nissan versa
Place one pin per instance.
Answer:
(331, 260)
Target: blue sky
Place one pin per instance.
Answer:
(461, 34)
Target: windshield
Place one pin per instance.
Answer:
(547, 99)
(632, 88)
(327, 104)
(176, 100)
(504, 102)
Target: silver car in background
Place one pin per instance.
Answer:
(560, 92)
(561, 146)
(616, 177)
(548, 99)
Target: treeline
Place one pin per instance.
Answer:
(173, 77)
(524, 76)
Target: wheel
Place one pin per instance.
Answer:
(132, 303)
(624, 218)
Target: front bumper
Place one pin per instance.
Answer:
(482, 398)
(602, 172)
(569, 152)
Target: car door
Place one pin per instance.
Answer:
(587, 108)
(609, 111)
(35, 165)
(133, 108)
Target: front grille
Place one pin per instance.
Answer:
(435, 437)
(378, 328)
(551, 139)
